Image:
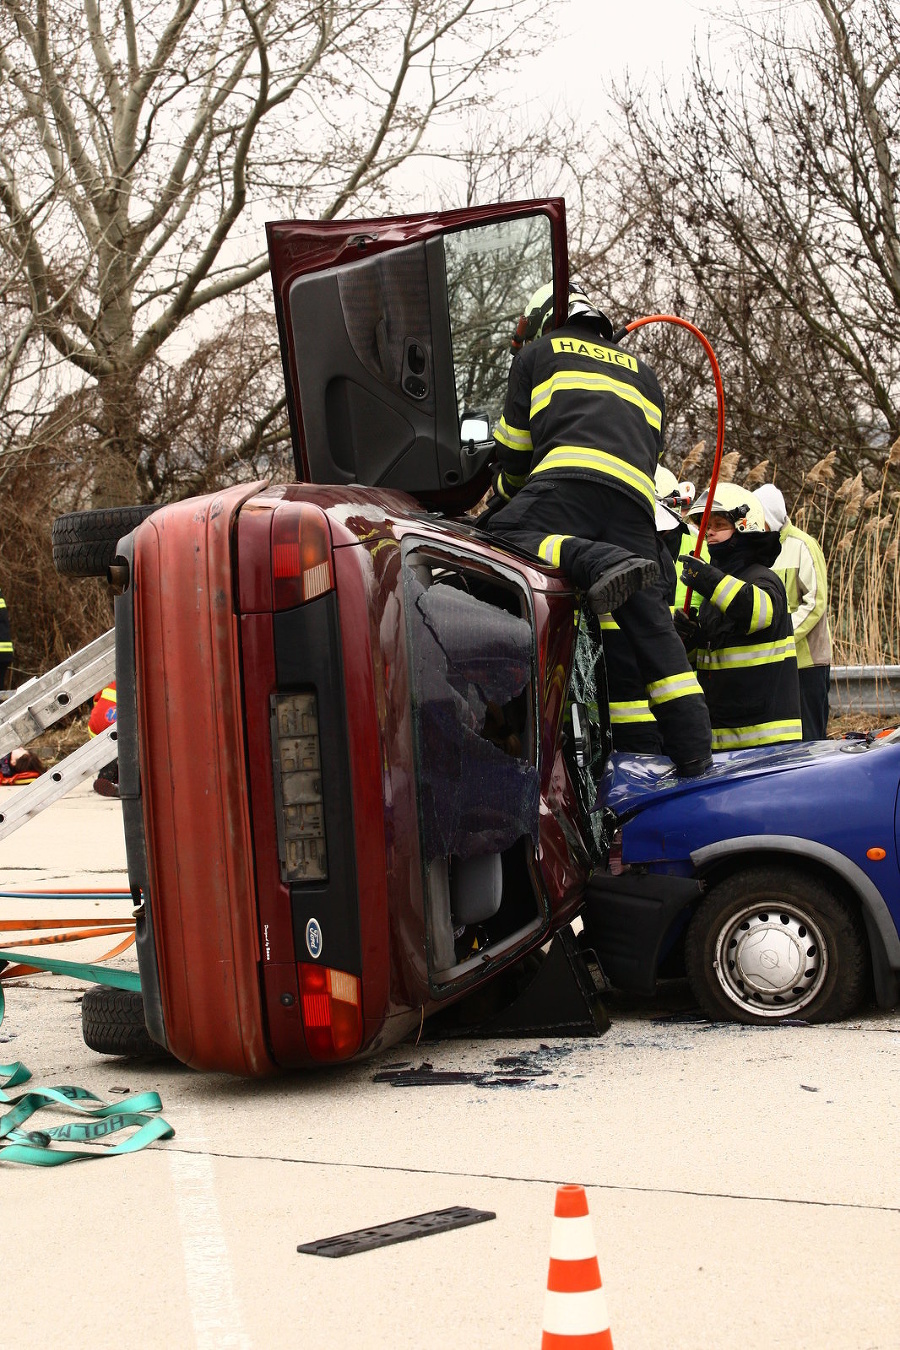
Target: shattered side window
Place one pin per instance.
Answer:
(588, 687)
(471, 661)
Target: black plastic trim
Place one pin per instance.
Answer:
(132, 805)
(627, 919)
(308, 656)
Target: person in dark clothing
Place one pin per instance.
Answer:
(633, 726)
(578, 445)
(6, 646)
(742, 638)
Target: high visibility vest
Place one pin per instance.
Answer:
(801, 566)
(747, 662)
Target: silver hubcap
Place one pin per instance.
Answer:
(771, 959)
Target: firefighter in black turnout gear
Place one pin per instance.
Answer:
(578, 445)
(742, 639)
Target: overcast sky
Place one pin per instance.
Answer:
(600, 38)
(653, 39)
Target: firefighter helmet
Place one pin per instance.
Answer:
(581, 310)
(538, 317)
(676, 496)
(737, 504)
(666, 482)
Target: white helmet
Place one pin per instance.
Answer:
(740, 506)
(676, 496)
(666, 482)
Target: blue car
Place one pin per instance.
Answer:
(776, 874)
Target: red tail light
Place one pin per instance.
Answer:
(301, 554)
(331, 1002)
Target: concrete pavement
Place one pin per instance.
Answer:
(741, 1181)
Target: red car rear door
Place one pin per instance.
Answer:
(395, 336)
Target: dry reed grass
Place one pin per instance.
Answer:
(858, 527)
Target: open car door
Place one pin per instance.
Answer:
(395, 336)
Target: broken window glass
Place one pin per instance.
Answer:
(588, 688)
(470, 660)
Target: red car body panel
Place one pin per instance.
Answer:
(191, 749)
(225, 940)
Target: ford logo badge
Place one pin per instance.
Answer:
(314, 939)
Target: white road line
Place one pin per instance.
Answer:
(215, 1307)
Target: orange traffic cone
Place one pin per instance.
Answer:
(575, 1306)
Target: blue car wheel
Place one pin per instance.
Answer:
(772, 943)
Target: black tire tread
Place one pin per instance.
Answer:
(112, 1022)
(84, 542)
(846, 984)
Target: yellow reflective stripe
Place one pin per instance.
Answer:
(2, 603)
(636, 711)
(608, 622)
(725, 592)
(550, 548)
(598, 461)
(739, 658)
(594, 382)
(673, 686)
(514, 438)
(109, 694)
(765, 733)
(762, 612)
(6, 646)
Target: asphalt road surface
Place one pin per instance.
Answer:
(742, 1182)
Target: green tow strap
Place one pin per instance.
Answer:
(35, 1147)
(118, 979)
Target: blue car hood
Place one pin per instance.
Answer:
(630, 782)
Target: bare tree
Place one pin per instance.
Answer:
(769, 213)
(141, 152)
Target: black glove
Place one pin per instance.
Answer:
(497, 484)
(699, 576)
(687, 627)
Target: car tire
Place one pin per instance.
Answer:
(84, 542)
(112, 1022)
(769, 944)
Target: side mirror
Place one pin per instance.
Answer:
(474, 430)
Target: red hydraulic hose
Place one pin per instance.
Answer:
(720, 430)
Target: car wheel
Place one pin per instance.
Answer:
(112, 1022)
(769, 944)
(84, 542)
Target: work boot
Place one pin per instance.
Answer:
(107, 780)
(620, 582)
(692, 768)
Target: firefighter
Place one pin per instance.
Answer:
(577, 448)
(680, 537)
(801, 566)
(633, 726)
(741, 638)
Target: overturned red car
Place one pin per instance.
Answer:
(353, 784)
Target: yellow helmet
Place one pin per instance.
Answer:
(738, 504)
(538, 317)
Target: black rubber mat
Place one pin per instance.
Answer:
(402, 1230)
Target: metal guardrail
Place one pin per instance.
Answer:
(868, 689)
